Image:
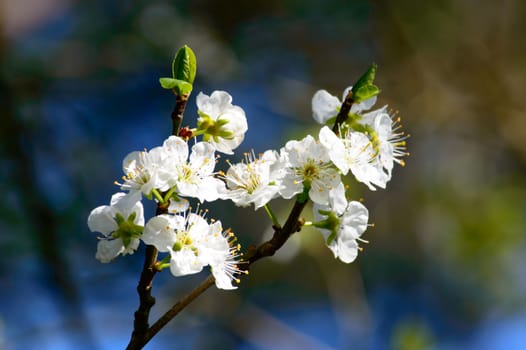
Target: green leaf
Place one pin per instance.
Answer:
(366, 79)
(184, 65)
(181, 87)
(365, 92)
(168, 83)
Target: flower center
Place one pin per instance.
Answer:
(211, 128)
(183, 241)
(138, 173)
(186, 173)
(310, 171)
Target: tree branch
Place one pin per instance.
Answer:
(177, 113)
(281, 235)
(344, 112)
(144, 289)
(177, 308)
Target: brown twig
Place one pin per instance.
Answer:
(344, 112)
(281, 235)
(178, 307)
(177, 113)
(144, 289)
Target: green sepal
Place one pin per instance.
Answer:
(366, 79)
(119, 218)
(331, 223)
(127, 229)
(210, 128)
(126, 240)
(181, 87)
(184, 65)
(365, 92)
(331, 237)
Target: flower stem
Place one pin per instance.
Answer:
(161, 264)
(196, 132)
(169, 194)
(158, 196)
(271, 215)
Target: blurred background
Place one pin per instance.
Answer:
(445, 268)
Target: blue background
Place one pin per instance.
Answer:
(445, 268)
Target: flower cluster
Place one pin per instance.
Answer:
(169, 174)
(363, 143)
(366, 144)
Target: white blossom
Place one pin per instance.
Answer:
(120, 224)
(354, 151)
(193, 244)
(218, 252)
(388, 138)
(307, 165)
(326, 106)
(143, 171)
(221, 123)
(255, 181)
(193, 177)
(342, 228)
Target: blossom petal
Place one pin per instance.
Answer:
(290, 186)
(356, 216)
(324, 106)
(101, 220)
(128, 203)
(184, 262)
(202, 158)
(363, 105)
(336, 147)
(108, 249)
(159, 231)
(337, 199)
(222, 280)
(344, 249)
(176, 149)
